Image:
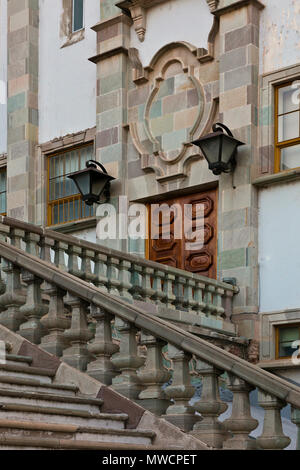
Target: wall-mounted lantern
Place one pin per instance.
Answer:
(92, 182)
(219, 149)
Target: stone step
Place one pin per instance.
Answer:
(23, 371)
(49, 399)
(18, 359)
(33, 385)
(70, 416)
(32, 443)
(45, 430)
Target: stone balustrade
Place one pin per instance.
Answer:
(57, 310)
(206, 302)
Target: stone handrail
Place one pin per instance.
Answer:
(141, 376)
(122, 274)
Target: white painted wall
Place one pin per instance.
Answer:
(176, 20)
(67, 93)
(3, 76)
(279, 35)
(279, 247)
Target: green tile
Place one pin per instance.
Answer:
(166, 88)
(174, 140)
(16, 102)
(233, 259)
(111, 83)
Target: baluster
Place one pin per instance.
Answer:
(181, 414)
(13, 298)
(78, 335)
(198, 296)
(159, 294)
(32, 243)
(296, 420)
(33, 310)
(227, 304)
(47, 244)
(209, 308)
(16, 236)
(218, 301)
(55, 321)
(272, 437)
(127, 361)
(189, 303)
(100, 272)
(153, 376)
(210, 430)
(124, 279)
(112, 269)
(136, 281)
(147, 276)
(4, 232)
(74, 252)
(168, 290)
(86, 267)
(60, 249)
(102, 347)
(179, 292)
(241, 423)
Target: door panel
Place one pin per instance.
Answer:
(173, 252)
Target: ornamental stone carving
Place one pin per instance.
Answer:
(170, 107)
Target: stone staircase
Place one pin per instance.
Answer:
(37, 413)
(103, 328)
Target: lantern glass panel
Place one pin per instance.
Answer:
(211, 149)
(228, 149)
(83, 182)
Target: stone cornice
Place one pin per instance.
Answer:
(112, 21)
(105, 55)
(137, 9)
(236, 5)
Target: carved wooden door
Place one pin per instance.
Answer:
(175, 252)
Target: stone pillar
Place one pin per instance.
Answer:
(113, 41)
(238, 208)
(23, 54)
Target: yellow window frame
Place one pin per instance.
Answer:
(287, 143)
(2, 170)
(65, 200)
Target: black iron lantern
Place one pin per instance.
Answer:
(219, 149)
(92, 182)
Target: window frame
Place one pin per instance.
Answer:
(279, 146)
(74, 31)
(278, 328)
(74, 197)
(2, 170)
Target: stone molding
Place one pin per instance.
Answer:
(69, 140)
(235, 5)
(156, 160)
(138, 11)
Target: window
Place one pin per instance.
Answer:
(287, 128)
(285, 336)
(3, 191)
(64, 202)
(77, 15)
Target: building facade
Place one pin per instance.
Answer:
(132, 84)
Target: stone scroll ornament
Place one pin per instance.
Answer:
(177, 109)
